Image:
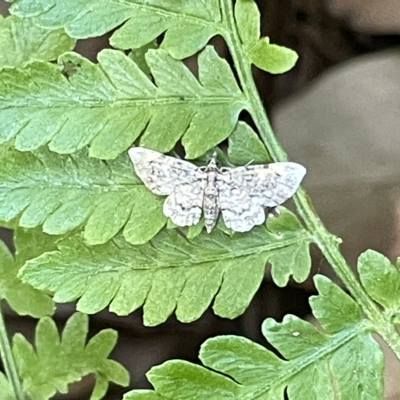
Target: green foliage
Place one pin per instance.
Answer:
(24, 299)
(316, 364)
(58, 361)
(294, 259)
(381, 279)
(139, 57)
(248, 21)
(245, 146)
(109, 105)
(5, 388)
(333, 302)
(112, 103)
(88, 230)
(197, 21)
(64, 192)
(171, 273)
(271, 57)
(21, 42)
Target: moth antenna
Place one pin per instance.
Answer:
(249, 163)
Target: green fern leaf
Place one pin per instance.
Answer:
(271, 57)
(381, 279)
(22, 41)
(289, 260)
(142, 395)
(248, 20)
(56, 362)
(22, 298)
(344, 363)
(31, 243)
(6, 390)
(139, 56)
(65, 192)
(333, 309)
(197, 21)
(170, 273)
(110, 104)
(246, 147)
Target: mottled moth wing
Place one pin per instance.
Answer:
(184, 205)
(238, 210)
(160, 173)
(268, 185)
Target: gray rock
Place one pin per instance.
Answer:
(374, 17)
(346, 129)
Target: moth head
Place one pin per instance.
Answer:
(213, 163)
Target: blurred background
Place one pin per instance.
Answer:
(338, 113)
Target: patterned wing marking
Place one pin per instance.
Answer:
(184, 204)
(161, 173)
(238, 210)
(268, 185)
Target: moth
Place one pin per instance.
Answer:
(240, 194)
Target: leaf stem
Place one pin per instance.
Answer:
(327, 242)
(8, 360)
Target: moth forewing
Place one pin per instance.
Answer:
(268, 185)
(288, 178)
(161, 173)
(289, 170)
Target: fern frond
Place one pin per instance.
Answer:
(54, 361)
(22, 42)
(172, 272)
(343, 362)
(197, 21)
(381, 279)
(6, 390)
(113, 103)
(65, 192)
(23, 298)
